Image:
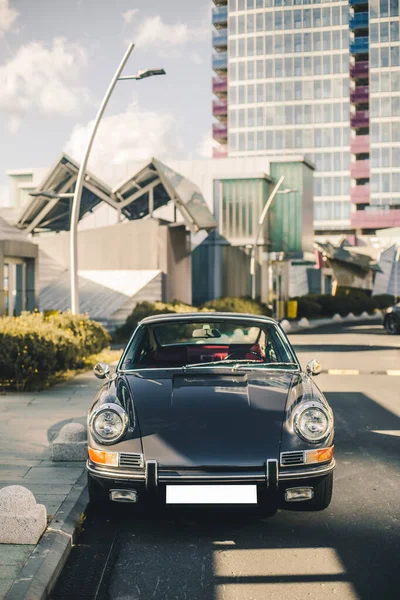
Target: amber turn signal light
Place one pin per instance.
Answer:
(317, 456)
(103, 458)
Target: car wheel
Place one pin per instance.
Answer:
(98, 496)
(391, 325)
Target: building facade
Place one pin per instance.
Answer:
(296, 76)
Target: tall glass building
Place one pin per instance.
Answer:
(320, 79)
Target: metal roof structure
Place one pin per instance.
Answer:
(54, 214)
(155, 186)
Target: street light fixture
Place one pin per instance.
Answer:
(76, 203)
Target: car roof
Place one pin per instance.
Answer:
(207, 316)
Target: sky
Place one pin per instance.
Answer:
(57, 59)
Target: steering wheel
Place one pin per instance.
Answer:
(241, 353)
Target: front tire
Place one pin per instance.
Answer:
(392, 325)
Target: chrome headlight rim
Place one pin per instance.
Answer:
(314, 405)
(116, 408)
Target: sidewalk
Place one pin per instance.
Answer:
(29, 422)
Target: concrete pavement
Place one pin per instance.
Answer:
(349, 551)
(29, 422)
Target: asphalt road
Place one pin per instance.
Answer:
(351, 550)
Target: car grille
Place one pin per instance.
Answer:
(292, 458)
(131, 461)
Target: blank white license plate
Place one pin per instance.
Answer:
(211, 494)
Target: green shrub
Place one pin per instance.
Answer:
(383, 301)
(34, 347)
(307, 308)
(147, 309)
(238, 305)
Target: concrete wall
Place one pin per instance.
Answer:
(178, 283)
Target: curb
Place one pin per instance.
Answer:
(40, 572)
(295, 328)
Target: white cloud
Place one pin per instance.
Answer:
(44, 78)
(130, 15)
(205, 148)
(7, 16)
(154, 32)
(134, 135)
(14, 123)
(196, 58)
(4, 195)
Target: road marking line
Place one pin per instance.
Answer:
(343, 372)
(395, 373)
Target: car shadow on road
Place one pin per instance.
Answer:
(348, 551)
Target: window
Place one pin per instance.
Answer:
(337, 163)
(260, 92)
(268, 44)
(345, 39)
(317, 40)
(260, 69)
(242, 118)
(374, 32)
(278, 20)
(308, 65)
(297, 19)
(250, 69)
(288, 90)
(278, 44)
(326, 36)
(374, 56)
(232, 25)
(242, 71)
(345, 15)
(279, 67)
(326, 65)
(374, 9)
(307, 113)
(260, 22)
(383, 8)
(288, 21)
(326, 17)
(289, 139)
(336, 15)
(336, 40)
(260, 45)
(298, 138)
(250, 94)
(394, 8)
(242, 94)
(384, 57)
(327, 109)
(241, 24)
(298, 89)
(250, 140)
(307, 14)
(337, 137)
(395, 56)
(396, 108)
(260, 117)
(384, 27)
(268, 67)
(317, 89)
(260, 140)
(250, 23)
(307, 42)
(288, 43)
(317, 17)
(250, 46)
(288, 67)
(317, 65)
(394, 31)
(297, 42)
(298, 114)
(241, 48)
(269, 24)
(298, 67)
(279, 93)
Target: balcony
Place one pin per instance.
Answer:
(220, 2)
(360, 70)
(220, 110)
(359, 21)
(359, 45)
(220, 152)
(220, 17)
(378, 218)
(359, 194)
(360, 94)
(220, 40)
(220, 132)
(359, 3)
(359, 144)
(220, 86)
(360, 169)
(360, 119)
(220, 63)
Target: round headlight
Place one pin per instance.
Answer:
(109, 424)
(312, 423)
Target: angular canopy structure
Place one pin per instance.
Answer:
(139, 196)
(54, 214)
(156, 185)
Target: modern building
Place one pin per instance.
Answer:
(321, 79)
(146, 233)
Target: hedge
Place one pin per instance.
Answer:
(314, 306)
(33, 347)
(146, 309)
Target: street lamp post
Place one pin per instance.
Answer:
(76, 203)
(258, 232)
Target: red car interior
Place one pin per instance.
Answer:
(170, 356)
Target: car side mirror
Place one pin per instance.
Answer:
(313, 367)
(102, 371)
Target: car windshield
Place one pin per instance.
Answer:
(190, 344)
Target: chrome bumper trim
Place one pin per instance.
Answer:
(307, 473)
(114, 474)
(215, 477)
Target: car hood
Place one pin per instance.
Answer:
(210, 419)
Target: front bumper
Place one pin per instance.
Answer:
(271, 478)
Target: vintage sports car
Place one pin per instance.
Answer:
(211, 408)
(391, 321)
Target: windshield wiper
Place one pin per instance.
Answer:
(269, 365)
